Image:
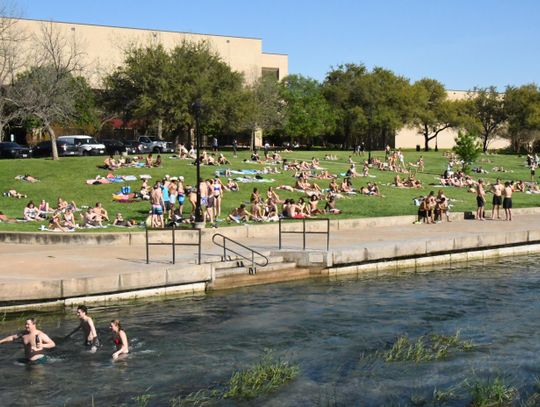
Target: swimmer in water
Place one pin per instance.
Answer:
(120, 339)
(91, 339)
(34, 342)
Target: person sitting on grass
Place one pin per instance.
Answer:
(69, 219)
(222, 160)
(90, 219)
(149, 161)
(31, 213)
(240, 214)
(232, 185)
(110, 163)
(313, 202)
(158, 162)
(330, 206)
(55, 224)
(101, 211)
(120, 221)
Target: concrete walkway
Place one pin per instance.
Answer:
(35, 272)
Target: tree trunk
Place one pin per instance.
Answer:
(160, 129)
(484, 147)
(54, 147)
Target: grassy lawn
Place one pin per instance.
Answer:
(66, 178)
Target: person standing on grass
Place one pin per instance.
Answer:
(480, 200)
(497, 190)
(507, 201)
(156, 199)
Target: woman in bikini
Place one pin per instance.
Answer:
(120, 339)
(218, 195)
(69, 219)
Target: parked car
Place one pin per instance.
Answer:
(44, 149)
(137, 147)
(86, 145)
(115, 146)
(9, 149)
(154, 145)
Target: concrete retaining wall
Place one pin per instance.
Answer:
(22, 290)
(233, 232)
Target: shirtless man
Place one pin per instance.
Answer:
(34, 342)
(497, 189)
(480, 200)
(89, 330)
(156, 198)
(507, 201)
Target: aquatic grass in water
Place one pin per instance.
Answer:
(426, 348)
(264, 377)
(491, 393)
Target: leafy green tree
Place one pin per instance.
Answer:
(307, 112)
(487, 113)
(467, 148)
(433, 111)
(522, 105)
(369, 106)
(339, 88)
(160, 86)
(49, 89)
(262, 108)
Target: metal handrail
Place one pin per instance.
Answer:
(305, 232)
(173, 243)
(253, 252)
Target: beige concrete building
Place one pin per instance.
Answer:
(409, 137)
(103, 47)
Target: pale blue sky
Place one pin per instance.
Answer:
(462, 43)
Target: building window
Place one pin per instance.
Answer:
(272, 72)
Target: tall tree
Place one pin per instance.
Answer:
(340, 89)
(433, 111)
(487, 113)
(307, 113)
(522, 105)
(370, 106)
(262, 107)
(156, 85)
(49, 90)
(12, 44)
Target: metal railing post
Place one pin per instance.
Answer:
(327, 234)
(199, 247)
(303, 234)
(279, 233)
(173, 245)
(224, 250)
(147, 247)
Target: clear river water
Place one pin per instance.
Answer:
(333, 329)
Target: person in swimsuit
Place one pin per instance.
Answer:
(497, 198)
(120, 339)
(156, 199)
(507, 201)
(34, 342)
(218, 194)
(91, 339)
(480, 200)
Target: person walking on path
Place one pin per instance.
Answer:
(480, 200)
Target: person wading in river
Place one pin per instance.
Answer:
(89, 330)
(34, 342)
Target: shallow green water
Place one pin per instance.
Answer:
(331, 329)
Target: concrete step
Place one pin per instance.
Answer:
(271, 267)
(240, 262)
(244, 280)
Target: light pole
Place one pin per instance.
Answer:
(199, 220)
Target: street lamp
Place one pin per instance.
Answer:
(199, 219)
